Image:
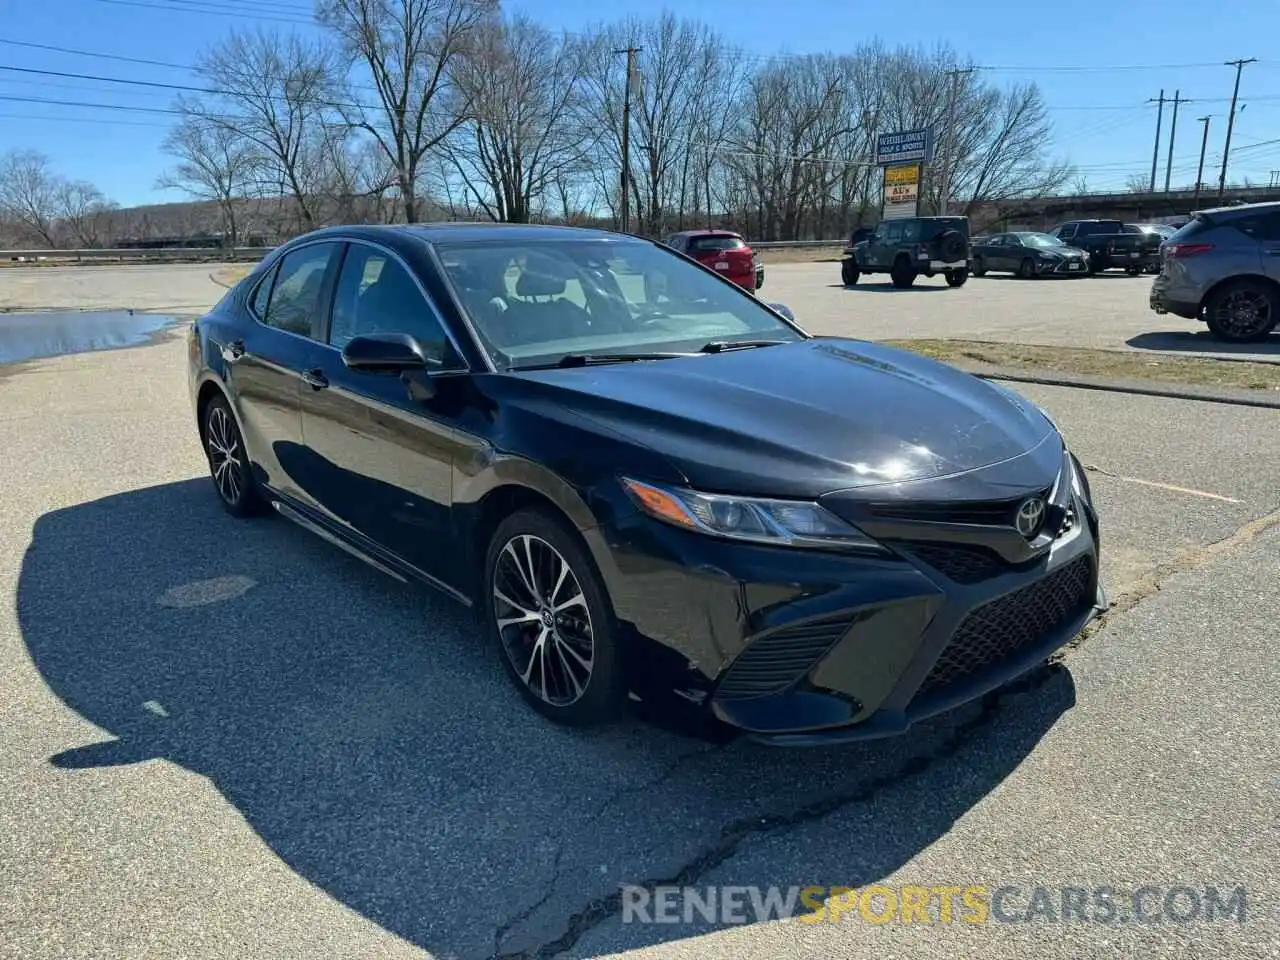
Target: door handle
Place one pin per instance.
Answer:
(234, 350)
(315, 378)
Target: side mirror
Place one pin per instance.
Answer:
(386, 353)
(783, 309)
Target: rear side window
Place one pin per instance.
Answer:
(299, 283)
(724, 242)
(1259, 226)
(260, 296)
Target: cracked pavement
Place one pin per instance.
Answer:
(230, 739)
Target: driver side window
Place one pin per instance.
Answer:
(375, 294)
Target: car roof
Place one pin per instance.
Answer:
(708, 232)
(1269, 206)
(468, 232)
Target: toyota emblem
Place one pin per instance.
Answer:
(1030, 517)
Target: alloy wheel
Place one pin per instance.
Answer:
(223, 443)
(1244, 313)
(543, 620)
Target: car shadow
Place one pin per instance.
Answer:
(367, 735)
(888, 287)
(1201, 341)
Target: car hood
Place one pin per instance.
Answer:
(801, 419)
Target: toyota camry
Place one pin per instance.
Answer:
(647, 482)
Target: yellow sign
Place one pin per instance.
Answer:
(905, 174)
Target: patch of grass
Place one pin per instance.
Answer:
(1111, 364)
(800, 254)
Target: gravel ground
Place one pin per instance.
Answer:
(228, 739)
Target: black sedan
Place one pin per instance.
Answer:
(645, 480)
(1028, 255)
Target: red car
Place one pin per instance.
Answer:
(724, 252)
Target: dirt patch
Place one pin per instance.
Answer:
(1113, 364)
(230, 276)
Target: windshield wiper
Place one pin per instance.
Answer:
(719, 346)
(586, 359)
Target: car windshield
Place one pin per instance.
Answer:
(533, 304)
(1040, 240)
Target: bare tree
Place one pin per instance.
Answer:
(522, 84)
(215, 164)
(1137, 183)
(408, 49)
(82, 211)
(275, 91)
(29, 193)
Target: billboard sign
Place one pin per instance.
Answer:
(901, 191)
(903, 147)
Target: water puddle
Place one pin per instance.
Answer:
(26, 336)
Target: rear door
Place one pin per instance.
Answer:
(267, 367)
(381, 461)
(1265, 230)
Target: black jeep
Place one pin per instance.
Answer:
(912, 247)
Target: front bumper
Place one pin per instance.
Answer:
(796, 647)
(1072, 267)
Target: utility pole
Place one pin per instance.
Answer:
(626, 135)
(955, 76)
(1231, 121)
(1173, 132)
(1155, 151)
(1204, 142)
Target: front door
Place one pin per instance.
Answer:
(381, 460)
(266, 367)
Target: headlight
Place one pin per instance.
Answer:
(793, 523)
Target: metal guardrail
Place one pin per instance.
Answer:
(171, 254)
(131, 255)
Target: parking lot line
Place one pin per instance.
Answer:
(1162, 486)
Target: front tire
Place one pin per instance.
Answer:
(1242, 312)
(903, 274)
(849, 273)
(956, 278)
(547, 608)
(1027, 269)
(228, 460)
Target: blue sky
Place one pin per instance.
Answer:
(1097, 65)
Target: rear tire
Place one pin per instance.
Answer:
(903, 274)
(978, 268)
(956, 278)
(229, 466)
(554, 627)
(1243, 311)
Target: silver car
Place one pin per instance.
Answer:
(1223, 269)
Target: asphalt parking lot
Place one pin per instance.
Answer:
(230, 739)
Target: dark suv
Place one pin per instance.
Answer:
(1223, 269)
(912, 247)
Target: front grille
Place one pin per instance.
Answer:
(990, 513)
(961, 563)
(1001, 628)
(775, 661)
